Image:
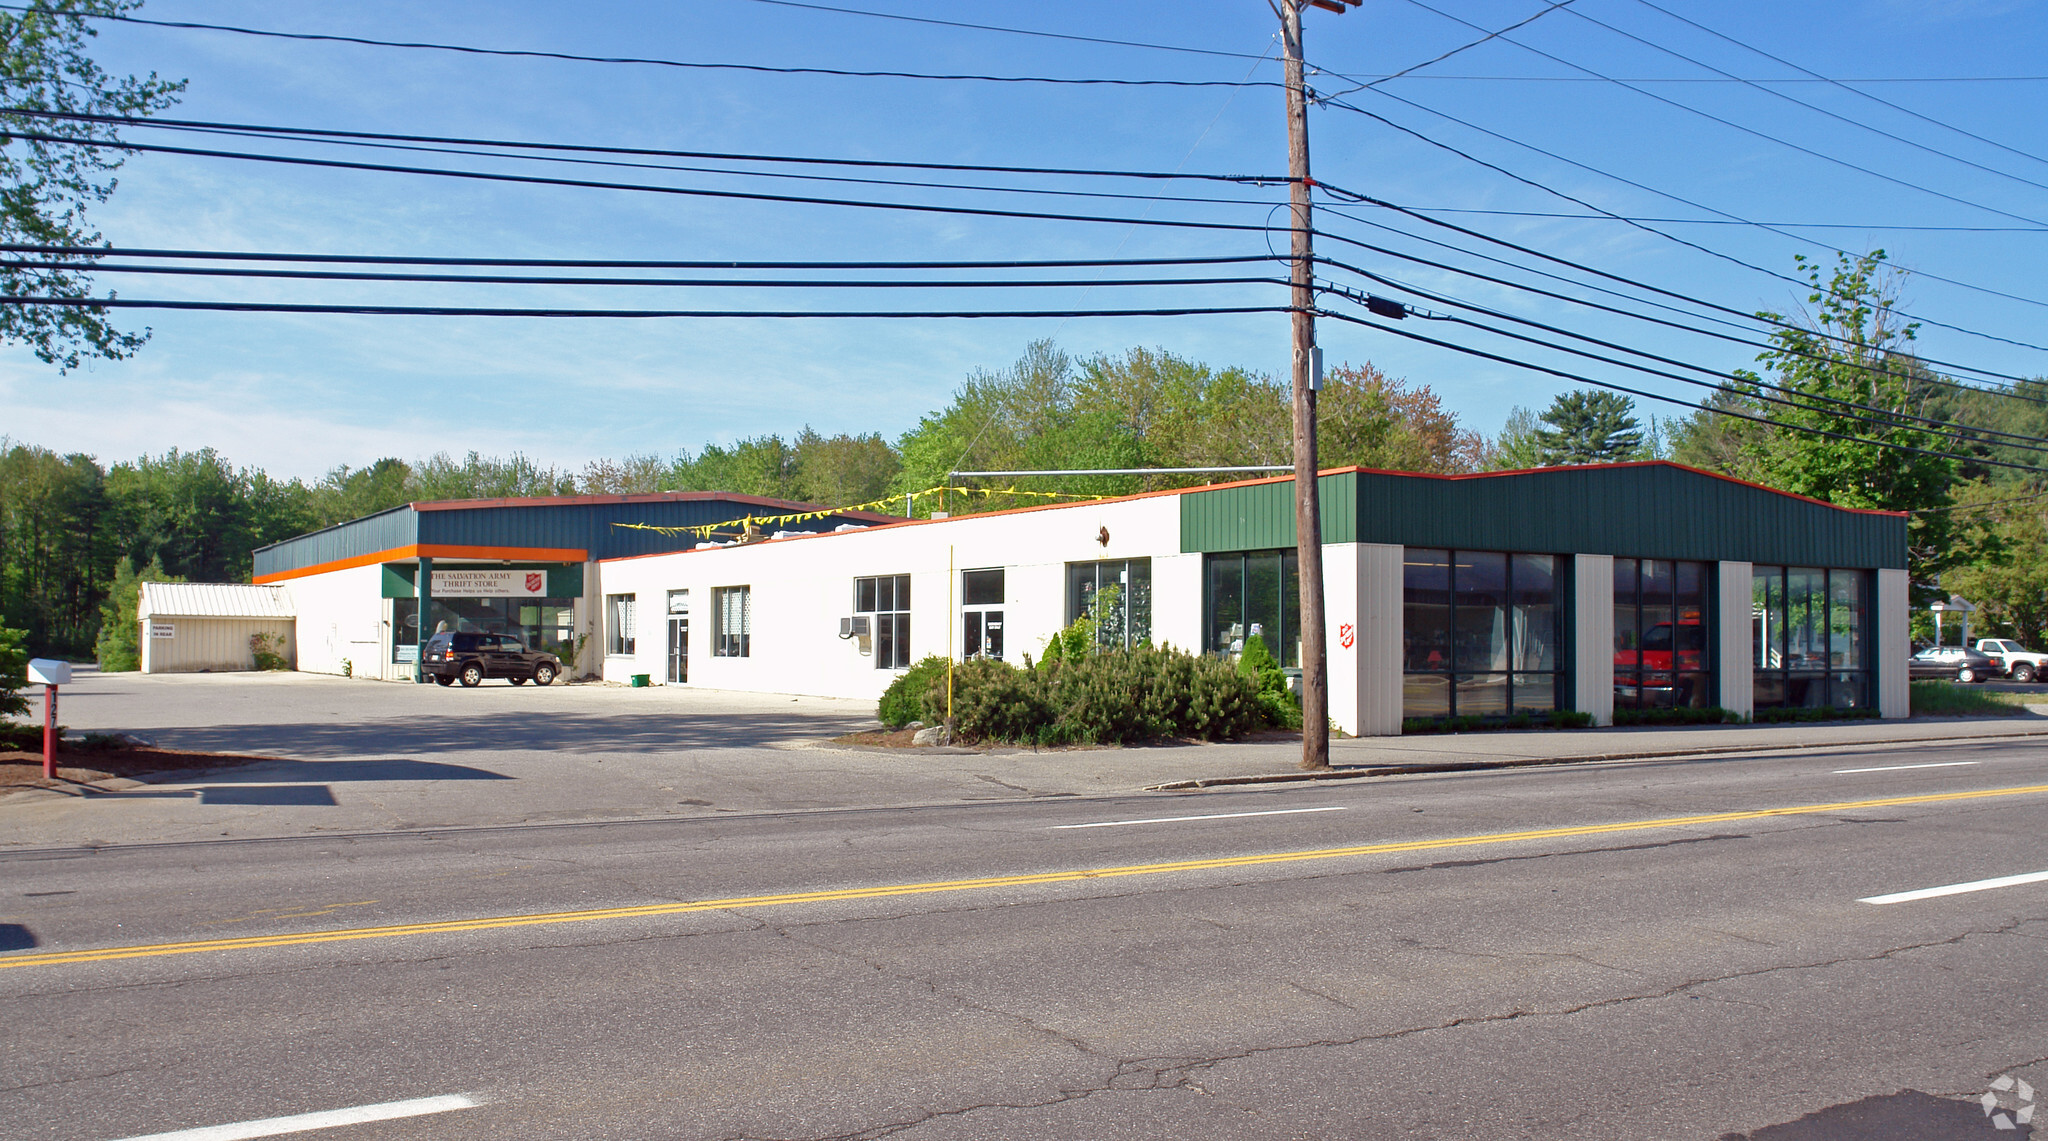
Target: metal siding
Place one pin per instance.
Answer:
(384, 531)
(1260, 516)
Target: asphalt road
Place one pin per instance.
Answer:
(1636, 950)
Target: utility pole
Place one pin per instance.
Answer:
(1308, 530)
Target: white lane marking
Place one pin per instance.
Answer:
(1896, 768)
(1213, 816)
(326, 1119)
(1957, 888)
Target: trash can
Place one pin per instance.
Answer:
(641, 681)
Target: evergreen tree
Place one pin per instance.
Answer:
(1589, 427)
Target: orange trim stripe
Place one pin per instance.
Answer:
(433, 551)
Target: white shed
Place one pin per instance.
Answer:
(193, 627)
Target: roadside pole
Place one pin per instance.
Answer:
(1308, 375)
(424, 593)
(50, 674)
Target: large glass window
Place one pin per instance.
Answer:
(887, 598)
(1254, 593)
(981, 608)
(1662, 647)
(1117, 595)
(1479, 633)
(1810, 633)
(540, 623)
(732, 621)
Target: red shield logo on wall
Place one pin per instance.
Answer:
(533, 582)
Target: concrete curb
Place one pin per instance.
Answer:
(1534, 762)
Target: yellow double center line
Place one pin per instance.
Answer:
(984, 883)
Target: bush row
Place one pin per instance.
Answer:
(1111, 697)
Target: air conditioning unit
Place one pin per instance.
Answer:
(855, 627)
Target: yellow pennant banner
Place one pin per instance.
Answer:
(752, 524)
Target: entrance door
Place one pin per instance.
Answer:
(983, 636)
(678, 650)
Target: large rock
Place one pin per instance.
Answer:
(936, 735)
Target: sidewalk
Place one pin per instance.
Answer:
(359, 756)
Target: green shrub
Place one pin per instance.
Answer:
(1555, 719)
(1280, 706)
(1111, 697)
(119, 647)
(13, 671)
(266, 653)
(904, 700)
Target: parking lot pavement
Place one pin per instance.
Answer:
(357, 756)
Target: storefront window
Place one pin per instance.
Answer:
(1254, 594)
(540, 623)
(1809, 627)
(1662, 645)
(1479, 633)
(1117, 595)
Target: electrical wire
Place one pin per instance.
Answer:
(1778, 322)
(1974, 433)
(1708, 250)
(1732, 222)
(1740, 387)
(1465, 47)
(1817, 77)
(1572, 376)
(1816, 108)
(1007, 31)
(645, 152)
(597, 263)
(683, 191)
(692, 283)
(517, 53)
(508, 311)
(1732, 124)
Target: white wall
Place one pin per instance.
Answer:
(218, 645)
(801, 588)
(1736, 662)
(1593, 636)
(1894, 644)
(343, 616)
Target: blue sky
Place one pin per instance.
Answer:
(300, 394)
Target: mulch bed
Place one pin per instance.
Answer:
(19, 769)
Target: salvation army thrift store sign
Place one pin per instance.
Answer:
(490, 584)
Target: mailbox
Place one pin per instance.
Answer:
(48, 671)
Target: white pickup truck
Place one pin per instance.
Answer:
(2019, 663)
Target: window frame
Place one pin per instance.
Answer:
(1451, 666)
(621, 613)
(724, 643)
(891, 649)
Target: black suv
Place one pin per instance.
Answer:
(470, 658)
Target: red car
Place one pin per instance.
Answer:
(1667, 651)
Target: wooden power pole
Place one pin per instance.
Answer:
(1308, 529)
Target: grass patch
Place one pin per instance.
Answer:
(1952, 699)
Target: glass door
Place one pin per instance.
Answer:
(678, 650)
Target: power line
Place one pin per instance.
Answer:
(1708, 250)
(596, 263)
(519, 53)
(1816, 77)
(1008, 31)
(1897, 418)
(649, 152)
(1469, 46)
(508, 311)
(1736, 222)
(1779, 322)
(1812, 106)
(1732, 124)
(684, 191)
(1885, 418)
(1572, 376)
(693, 283)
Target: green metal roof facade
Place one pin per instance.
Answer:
(1648, 510)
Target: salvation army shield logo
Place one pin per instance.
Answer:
(533, 581)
